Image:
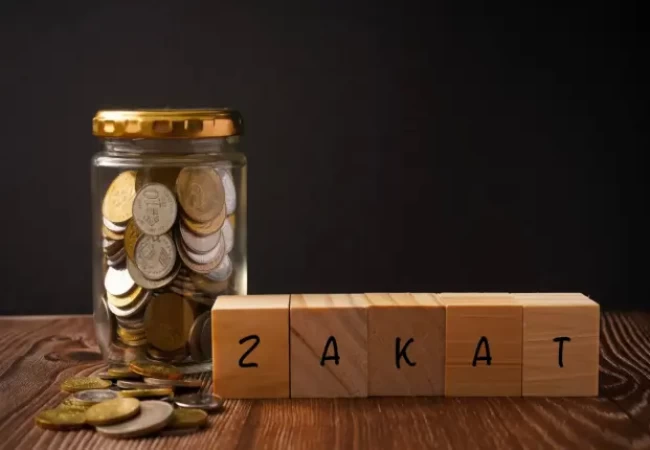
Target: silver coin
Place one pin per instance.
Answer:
(94, 395)
(133, 310)
(155, 256)
(146, 283)
(126, 384)
(204, 258)
(154, 209)
(173, 383)
(228, 235)
(206, 339)
(154, 416)
(118, 282)
(229, 190)
(117, 258)
(119, 229)
(196, 243)
(207, 402)
(222, 272)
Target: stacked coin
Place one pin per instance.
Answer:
(126, 410)
(168, 234)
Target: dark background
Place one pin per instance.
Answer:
(391, 147)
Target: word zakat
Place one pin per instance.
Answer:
(451, 344)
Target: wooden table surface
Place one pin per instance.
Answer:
(38, 353)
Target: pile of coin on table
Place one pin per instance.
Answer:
(148, 398)
(168, 234)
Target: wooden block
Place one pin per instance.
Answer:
(329, 355)
(476, 323)
(561, 338)
(250, 346)
(406, 345)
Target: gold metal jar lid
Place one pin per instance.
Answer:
(167, 123)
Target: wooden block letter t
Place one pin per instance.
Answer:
(250, 346)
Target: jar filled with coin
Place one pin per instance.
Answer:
(169, 230)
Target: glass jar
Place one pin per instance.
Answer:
(169, 230)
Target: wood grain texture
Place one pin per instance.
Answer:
(476, 323)
(253, 330)
(334, 325)
(406, 345)
(547, 317)
(36, 354)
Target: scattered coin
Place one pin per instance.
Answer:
(60, 419)
(154, 209)
(77, 384)
(154, 416)
(188, 418)
(148, 392)
(144, 282)
(200, 193)
(93, 396)
(122, 372)
(189, 384)
(118, 199)
(230, 192)
(113, 411)
(155, 370)
(155, 256)
(206, 402)
(118, 282)
(131, 235)
(168, 319)
(195, 337)
(128, 384)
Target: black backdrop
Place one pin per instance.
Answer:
(391, 147)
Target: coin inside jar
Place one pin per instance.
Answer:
(195, 337)
(118, 199)
(217, 253)
(198, 243)
(192, 265)
(205, 228)
(112, 226)
(230, 192)
(128, 300)
(155, 256)
(200, 193)
(154, 209)
(168, 319)
(118, 282)
(222, 272)
(131, 235)
(228, 235)
(143, 281)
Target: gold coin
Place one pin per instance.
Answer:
(113, 411)
(188, 418)
(71, 404)
(111, 234)
(205, 228)
(77, 384)
(167, 321)
(162, 175)
(118, 200)
(155, 370)
(60, 419)
(200, 193)
(131, 335)
(127, 300)
(144, 393)
(131, 235)
(121, 372)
